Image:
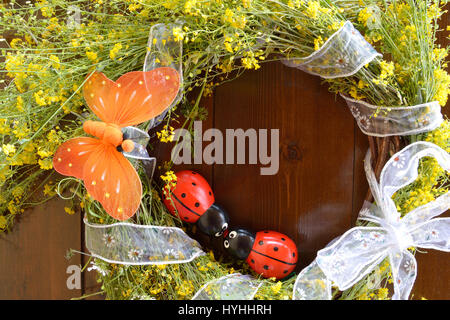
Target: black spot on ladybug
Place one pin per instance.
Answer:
(253, 261)
(266, 231)
(197, 204)
(183, 195)
(285, 271)
(266, 267)
(210, 193)
(293, 254)
(283, 239)
(194, 172)
(275, 249)
(261, 243)
(194, 184)
(186, 218)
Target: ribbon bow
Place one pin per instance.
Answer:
(357, 252)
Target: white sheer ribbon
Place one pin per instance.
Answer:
(165, 51)
(342, 55)
(312, 284)
(395, 121)
(358, 251)
(140, 139)
(133, 244)
(230, 287)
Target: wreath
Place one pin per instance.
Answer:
(59, 48)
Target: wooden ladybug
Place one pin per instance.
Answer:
(193, 201)
(269, 253)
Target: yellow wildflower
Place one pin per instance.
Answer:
(19, 104)
(442, 79)
(46, 164)
(115, 50)
(2, 222)
(55, 61)
(9, 149)
(166, 134)
(178, 34)
(318, 42)
(382, 293)
(364, 15)
(313, 9)
(39, 100)
(91, 56)
(276, 287)
(69, 210)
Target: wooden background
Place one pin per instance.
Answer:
(315, 196)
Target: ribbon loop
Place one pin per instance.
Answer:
(140, 139)
(133, 244)
(433, 234)
(230, 287)
(165, 51)
(312, 284)
(381, 121)
(342, 55)
(404, 273)
(356, 253)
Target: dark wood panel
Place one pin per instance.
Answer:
(310, 198)
(33, 263)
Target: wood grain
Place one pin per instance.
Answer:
(33, 255)
(310, 198)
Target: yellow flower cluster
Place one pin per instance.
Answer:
(442, 79)
(115, 50)
(251, 59)
(166, 134)
(169, 176)
(387, 71)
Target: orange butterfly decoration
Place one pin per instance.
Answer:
(108, 176)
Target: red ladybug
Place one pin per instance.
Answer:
(269, 253)
(193, 201)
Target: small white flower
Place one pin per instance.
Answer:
(171, 253)
(364, 212)
(135, 254)
(409, 266)
(358, 236)
(109, 240)
(364, 122)
(144, 296)
(338, 265)
(341, 62)
(98, 268)
(355, 111)
(167, 231)
(376, 236)
(301, 294)
(399, 161)
(433, 234)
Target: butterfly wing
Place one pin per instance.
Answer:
(134, 98)
(70, 157)
(145, 95)
(111, 179)
(101, 95)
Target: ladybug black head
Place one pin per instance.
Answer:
(214, 221)
(239, 242)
